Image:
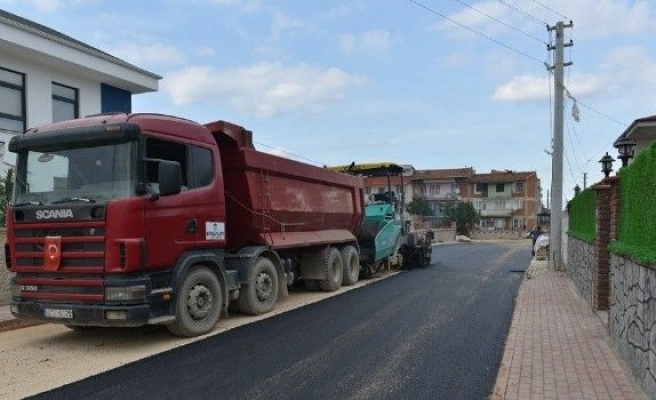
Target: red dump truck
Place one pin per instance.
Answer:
(133, 219)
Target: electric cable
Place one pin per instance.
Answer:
(502, 23)
(460, 24)
(291, 154)
(522, 12)
(550, 9)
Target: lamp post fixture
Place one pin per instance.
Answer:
(577, 190)
(606, 164)
(625, 149)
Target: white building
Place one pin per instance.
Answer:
(46, 76)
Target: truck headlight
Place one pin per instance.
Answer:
(125, 293)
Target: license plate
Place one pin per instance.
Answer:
(59, 314)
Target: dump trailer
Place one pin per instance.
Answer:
(134, 219)
(385, 239)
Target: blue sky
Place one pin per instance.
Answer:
(330, 82)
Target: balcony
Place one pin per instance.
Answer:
(501, 212)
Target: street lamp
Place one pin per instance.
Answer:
(606, 164)
(577, 190)
(625, 148)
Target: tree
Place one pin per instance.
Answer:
(6, 189)
(465, 216)
(419, 206)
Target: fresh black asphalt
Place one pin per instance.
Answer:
(427, 333)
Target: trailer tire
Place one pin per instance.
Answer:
(199, 303)
(351, 262)
(261, 293)
(334, 271)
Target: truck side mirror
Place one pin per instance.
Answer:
(169, 177)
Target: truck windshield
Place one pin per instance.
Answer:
(87, 174)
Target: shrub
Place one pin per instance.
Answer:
(583, 216)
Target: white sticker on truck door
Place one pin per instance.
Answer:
(214, 230)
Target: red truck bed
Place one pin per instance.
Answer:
(280, 202)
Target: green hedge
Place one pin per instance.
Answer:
(637, 220)
(583, 216)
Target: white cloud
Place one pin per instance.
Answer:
(523, 88)
(263, 90)
(592, 18)
(155, 54)
(375, 41)
(282, 22)
(529, 88)
(627, 71)
(608, 18)
(204, 51)
(48, 5)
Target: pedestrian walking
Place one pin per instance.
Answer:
(534, 235)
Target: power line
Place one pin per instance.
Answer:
(572, 147)
(622, 124)
(550, 9)
(501, 22)
(524, 13)
(291, 154)
(475, 31)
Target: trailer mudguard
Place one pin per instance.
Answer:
(244, 259)
(212, 259)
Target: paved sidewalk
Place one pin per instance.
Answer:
(558, 348)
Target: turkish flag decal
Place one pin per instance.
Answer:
(52, 253)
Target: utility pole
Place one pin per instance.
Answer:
(585, 180)
(555, 234)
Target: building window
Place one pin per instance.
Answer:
(481, 188)
(519, 187)
(433, 189)
(518, 223)
(64, 103)
(500, 187)
(12, 102)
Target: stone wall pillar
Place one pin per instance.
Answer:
(601, 274)
(614, 203)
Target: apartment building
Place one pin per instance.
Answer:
(442, 189)
(505, 200)
(47, 76)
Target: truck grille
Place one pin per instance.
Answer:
(79, 277)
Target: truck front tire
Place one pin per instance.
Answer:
(261, 293)
(199, 303)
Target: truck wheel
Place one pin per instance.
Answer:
(334, 271)
(199, 303)
(351, 262)
(261, 294)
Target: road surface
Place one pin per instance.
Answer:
(431, 333)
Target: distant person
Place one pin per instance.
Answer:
(534, 235)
